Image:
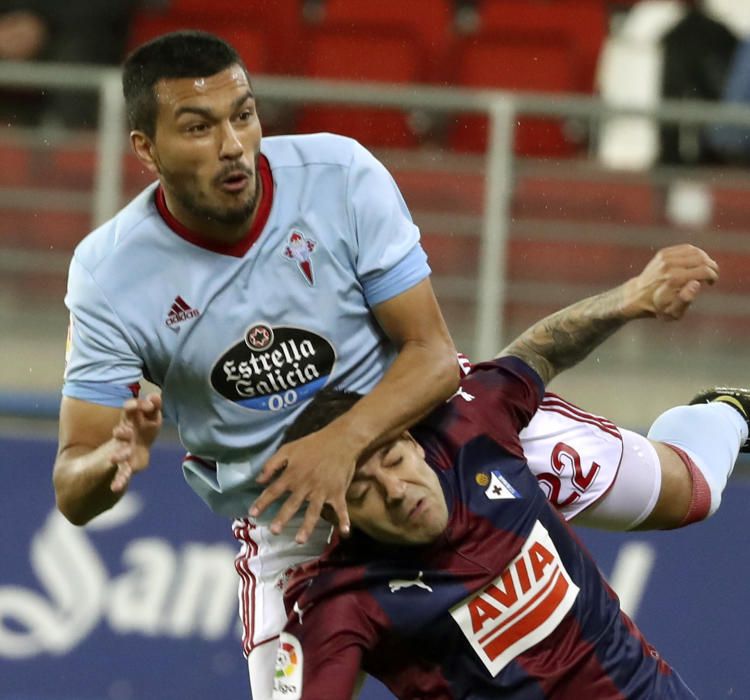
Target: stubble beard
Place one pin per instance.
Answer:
(229, 216)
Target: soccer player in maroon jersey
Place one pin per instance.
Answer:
(461, 580)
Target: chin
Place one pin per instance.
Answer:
(422, 538)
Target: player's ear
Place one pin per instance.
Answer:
(143, 148)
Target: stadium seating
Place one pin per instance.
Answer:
(536, 62)
(429, 22)
(343, 53)
(253, 26)
(539, 45)
(582, 23)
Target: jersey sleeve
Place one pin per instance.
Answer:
(388, 255)
(501, 394)
(326, 642)
(101, 365)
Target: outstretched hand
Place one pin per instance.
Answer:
(133, 436)
(670, 282)
(316, 469)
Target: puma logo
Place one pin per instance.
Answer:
(399, 583)
(300, 611)
(465, 395)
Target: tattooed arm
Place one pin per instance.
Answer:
(664, 289)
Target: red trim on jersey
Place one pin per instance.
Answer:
(700, 496)
(275, 638)
(135, 389)
(555, 404)
(557, 400)
(204, 463)
(241, 247)
(248, 584)
(248, 549)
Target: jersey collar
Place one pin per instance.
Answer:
(241, 247)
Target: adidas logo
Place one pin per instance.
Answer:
(180, 311)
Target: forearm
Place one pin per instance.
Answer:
(82, 479)
(100, 449)
(566, 337)
(420, 379)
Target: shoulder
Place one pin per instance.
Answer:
(312, 149)
(507, 371)
(107, 241)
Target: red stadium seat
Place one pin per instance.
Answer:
(431, 21)
(583, 23)
(251, 42)
(253, 26)
(362, 55)
(515, 62)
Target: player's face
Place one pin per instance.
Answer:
(396, 497)
(205, 149)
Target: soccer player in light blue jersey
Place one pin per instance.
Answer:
(251, 274)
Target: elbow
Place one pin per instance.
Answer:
(68, 506)
(72, 513)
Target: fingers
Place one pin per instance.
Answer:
(149, 408)
(680, 302)
(292, 506)
(342, 514)
(315, 470)
(273, 466)
(269, 495)
(689, 292)
(121, 479)
(293, 503)
(123, 431)
(689, 260)
(674, 278)
(312, 515)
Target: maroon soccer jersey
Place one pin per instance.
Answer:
(507, 603)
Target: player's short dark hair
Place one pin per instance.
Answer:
(327, 405)
(182, 54)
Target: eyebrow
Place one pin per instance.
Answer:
(208, 113)
(385, 450)
(382, 453)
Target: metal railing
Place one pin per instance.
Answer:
(502, 108)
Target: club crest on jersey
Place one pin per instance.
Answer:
(299, 251)
(521, 607)
(499, 487)
(287, 681)
(273, 367)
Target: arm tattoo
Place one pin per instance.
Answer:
(566, 337)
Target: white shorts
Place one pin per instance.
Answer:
(575, 455)
(264, 563)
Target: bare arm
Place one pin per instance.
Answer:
(319, 467)
(424, 374)
(99, 450)
(665, 289)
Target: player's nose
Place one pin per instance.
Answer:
(394, 489)
(231, 144)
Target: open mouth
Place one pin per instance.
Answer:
(235, 181)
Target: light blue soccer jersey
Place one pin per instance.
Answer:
(240, 338)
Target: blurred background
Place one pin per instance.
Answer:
(546, 148)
